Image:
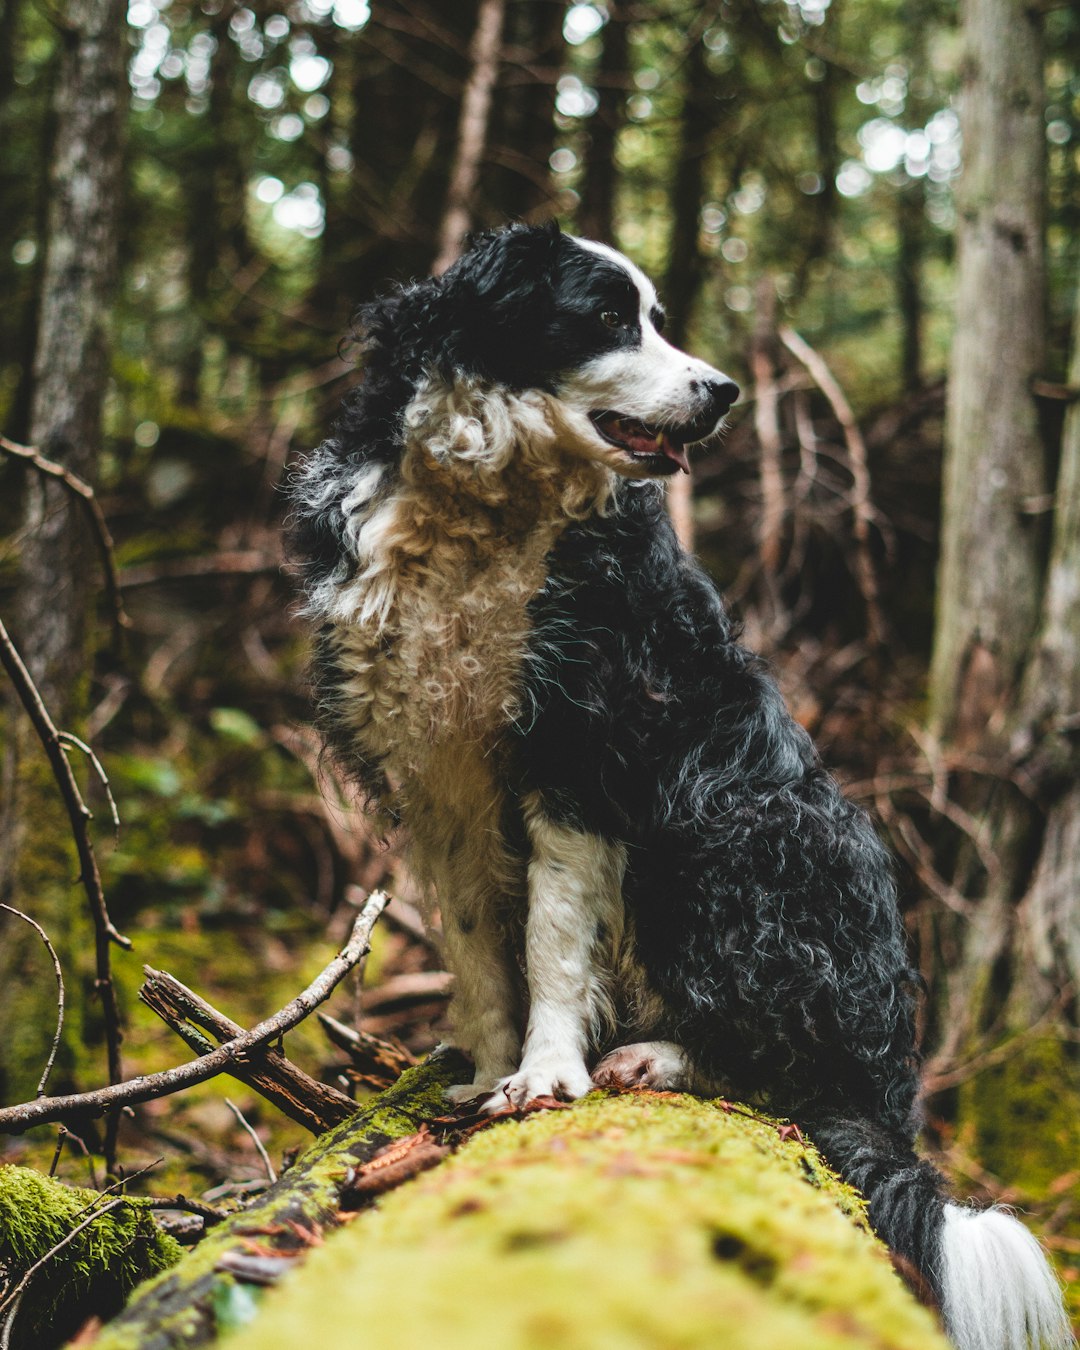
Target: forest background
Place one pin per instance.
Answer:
(865, 211)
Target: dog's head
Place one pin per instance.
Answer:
(531, 308)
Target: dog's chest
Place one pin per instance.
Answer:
(433, 651)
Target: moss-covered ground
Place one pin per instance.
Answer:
(624, 1223)
(93, 1274)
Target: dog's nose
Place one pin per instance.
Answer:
(722, 394)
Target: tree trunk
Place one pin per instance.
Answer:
(55, 566)
(634, 1222)
(990, 573)
(600, 173)
(641, 1220)
(472, 132)
(1005, 680)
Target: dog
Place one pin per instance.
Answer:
(645, 875)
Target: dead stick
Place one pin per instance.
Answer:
(15, 1119)
(313, 1104)
(79, 488)
(861, 502)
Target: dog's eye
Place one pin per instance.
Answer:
(611, 318)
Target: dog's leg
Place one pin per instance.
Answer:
(575, 911)
(484, 1008)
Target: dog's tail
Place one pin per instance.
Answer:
(990, 1277)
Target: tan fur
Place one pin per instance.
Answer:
(433, 629)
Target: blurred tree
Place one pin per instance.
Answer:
(1005, 678)
(55, 569)
(600, 168)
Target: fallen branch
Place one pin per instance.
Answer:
(375, 1063)
(295, 1093)
(677, 1220)
(79, 488)
(95, 1247)
(16, 1119)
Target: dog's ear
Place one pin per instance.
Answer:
(502, 262)
(496, 295)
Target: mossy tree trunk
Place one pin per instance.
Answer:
(55, 565)
(1005, 681)
(633, 1221)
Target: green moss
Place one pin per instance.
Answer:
(1022, 1117)
(626, 1223)
(90, 1276)
(45, 870)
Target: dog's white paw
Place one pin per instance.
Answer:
(565, 1079)
(660, 1065)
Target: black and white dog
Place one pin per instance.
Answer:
(645, 874)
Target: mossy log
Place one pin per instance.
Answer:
(91, 1274)
(217, 1285)
(634, 1221)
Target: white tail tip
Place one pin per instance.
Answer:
(999, 1291)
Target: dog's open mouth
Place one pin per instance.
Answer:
(660, 450)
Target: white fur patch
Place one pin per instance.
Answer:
(573, 933)
(999, 1290)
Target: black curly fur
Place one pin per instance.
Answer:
(763, 902)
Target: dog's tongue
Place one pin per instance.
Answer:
(675, 452)
(638, 438)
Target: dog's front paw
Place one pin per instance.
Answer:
(564, 1079)
(660, 1065)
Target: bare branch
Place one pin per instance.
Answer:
(68, 738)
(861, 502)
(295, 1093)
(80, 817)
(249, 1129)
(15, 1119)
(78, 487)
(59, 1000)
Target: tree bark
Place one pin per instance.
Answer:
(55, 572)
(990, 571)
(1005, 681)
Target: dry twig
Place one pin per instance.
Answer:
(295, 1093)
(79, 488)
(861, 503)
(10, 909)
(249, 1129)
(15, 1119)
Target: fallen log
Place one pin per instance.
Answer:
(217, 1285)
(637, 1221)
